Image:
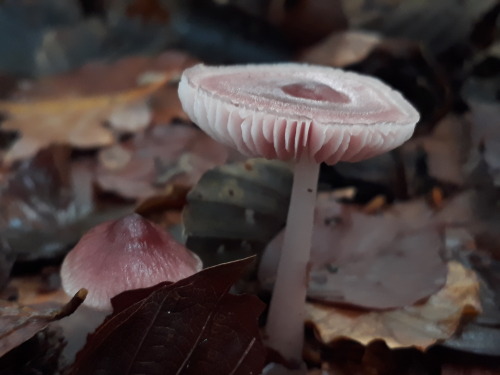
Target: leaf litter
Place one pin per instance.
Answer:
(75, 108)
(419, 325)
(165, 155)
(439, 189)
(194, 326)
(369, 261)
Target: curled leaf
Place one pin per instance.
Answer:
(20, 323)
(419, 325)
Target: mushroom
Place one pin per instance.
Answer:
(303, 113)
(129, 253)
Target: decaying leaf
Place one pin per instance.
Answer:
(78, 122)
(342, 49)
(419, 325)
(164, 155)
(250, 200)
(380, 261)
(74, 108)
(20, 323)
(193, 326)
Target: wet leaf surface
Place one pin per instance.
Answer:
(191, 327)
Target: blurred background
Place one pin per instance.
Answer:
(91, 129)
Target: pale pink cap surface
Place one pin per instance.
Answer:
(129, 253)
(282, 111)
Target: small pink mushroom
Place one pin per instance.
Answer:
(308, 114)
(129, 253)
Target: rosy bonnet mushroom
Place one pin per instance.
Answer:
(129, 253)
(306, 114)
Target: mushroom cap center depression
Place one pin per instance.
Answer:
(315, 91)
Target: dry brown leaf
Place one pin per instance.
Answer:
(72, 108)
(417, 326)
(75, 121)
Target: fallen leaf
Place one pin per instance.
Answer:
(341, 49)
(419, 325)
(19, 323)
(250, 200)
(193, 326)
(74, 108)
(446, 151)
(380, 261)
(165, 155)
(78, 122)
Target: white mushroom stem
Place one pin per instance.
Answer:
(285, 322)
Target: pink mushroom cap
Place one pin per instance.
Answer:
(282, 111)
(129, 253)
